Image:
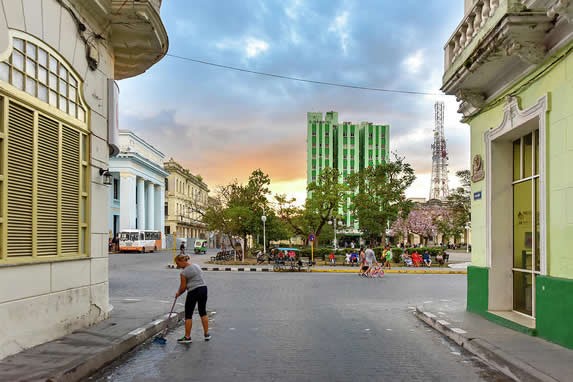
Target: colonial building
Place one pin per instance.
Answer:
(509, 62)
(187, 196)
(58, 101)
(137, 194)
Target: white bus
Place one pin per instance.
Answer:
(139, 240)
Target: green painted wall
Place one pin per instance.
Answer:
(555, 309)
(477, 292)
(554, 77)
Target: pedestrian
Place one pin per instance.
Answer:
(191, 281)
(332, 258)
(387, 254)
(370, 258)
(182, 248)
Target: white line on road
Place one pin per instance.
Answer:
(444, 322)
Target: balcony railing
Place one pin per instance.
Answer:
(472, 23)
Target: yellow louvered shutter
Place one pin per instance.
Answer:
(70, 190)
(20, 172)
(47, 210)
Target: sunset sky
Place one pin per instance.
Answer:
(223, 124)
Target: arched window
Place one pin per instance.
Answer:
(44, 156)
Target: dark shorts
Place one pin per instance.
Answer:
(365, 267)
(197, 296)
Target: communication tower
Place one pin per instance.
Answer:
(439, 188)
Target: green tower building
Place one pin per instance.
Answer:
(346, 146)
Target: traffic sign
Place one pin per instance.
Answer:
(311, 237)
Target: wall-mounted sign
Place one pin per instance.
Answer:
(477, 168)
(311, 237)
(477, 195)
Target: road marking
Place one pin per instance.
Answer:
(458, 330)
(444, 322)
(389, 330)
(431, 315)
(156, 322)
(136, 331)
(132, 299)
(412, 307)
(455, 353)
(366, 330)
(231, 328)
(441, 313)
(428, 302)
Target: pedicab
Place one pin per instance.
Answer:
(288, 259)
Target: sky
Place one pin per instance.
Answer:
(223, 124)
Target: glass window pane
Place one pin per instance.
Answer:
(522, 225)
(4, 72)
(18, 60)
(73, 81)
(537, 253)
(72, 93)
(53, 64)
(72, 108)
(43, 75)
(31, 50)
(53, 98)
(63, 73)
(18, 79)
(43, 92)
(536, 152)
(19, 44)
(42, 57)
(63, 88)
(63, 104)
(516, 159)
(528, 155)
(31, 67)
(30, 86)
(81, 114)
(53, 82)
(522, 292)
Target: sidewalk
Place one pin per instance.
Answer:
(519, 356)
(83, 352)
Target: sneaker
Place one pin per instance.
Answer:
(184, 340)
(207, 337)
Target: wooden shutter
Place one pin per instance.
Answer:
(70, 190)
(48, 182)
(20, 171)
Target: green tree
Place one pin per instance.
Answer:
(459, 208)
(325, 197)
(380, 197)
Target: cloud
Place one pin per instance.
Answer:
(339, 26)
(224, 124)
(255, 46)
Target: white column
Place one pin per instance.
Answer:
(140, 203)
(160, 211)
(150, 206)
(127, 201)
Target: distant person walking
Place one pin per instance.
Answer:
(182, 248)
(387, 256)
(370, 258)
(191, 281)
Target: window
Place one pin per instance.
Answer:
(41, 74)
(526, 224)
(58, 170)
(166, 184)
(115, 189)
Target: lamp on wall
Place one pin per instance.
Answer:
(106, 176)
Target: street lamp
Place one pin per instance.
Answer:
(264, 219)
(467, 227)
(334, 223)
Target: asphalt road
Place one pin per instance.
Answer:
(296, 327)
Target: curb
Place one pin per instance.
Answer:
(124, 344)
(488, 353)
(327, 270)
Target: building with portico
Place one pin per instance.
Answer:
(137, 193)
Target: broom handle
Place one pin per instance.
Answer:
(170, 312)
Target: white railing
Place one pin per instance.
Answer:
(474, 20)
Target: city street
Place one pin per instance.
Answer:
(275, 327)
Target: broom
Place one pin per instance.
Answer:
(160, 339)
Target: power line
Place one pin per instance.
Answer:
(302, 79)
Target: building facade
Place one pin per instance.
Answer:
(137, 193)
(187, 197)
(347, 146)
(58, 101)
(509, 62)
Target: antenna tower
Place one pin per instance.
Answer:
(439, 188)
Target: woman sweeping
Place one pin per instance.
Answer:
(192, 282)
